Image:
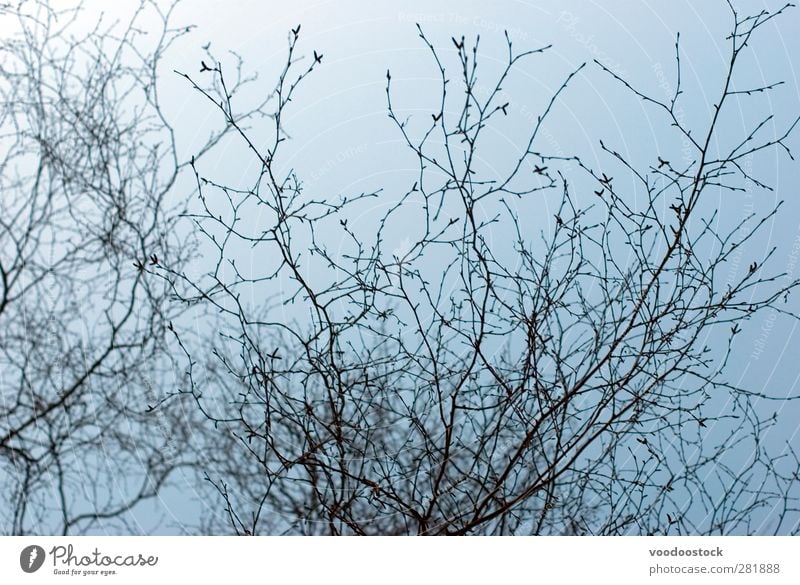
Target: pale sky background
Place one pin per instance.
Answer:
(343, 141)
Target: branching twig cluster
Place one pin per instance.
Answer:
(88, 166)
(497, 373)
(451, 388)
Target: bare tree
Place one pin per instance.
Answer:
(88, 167)
(484, 378)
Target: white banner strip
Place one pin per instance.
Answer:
(401, 560)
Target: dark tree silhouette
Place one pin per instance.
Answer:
(499, 372)
(88, 166)
(486, 378)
